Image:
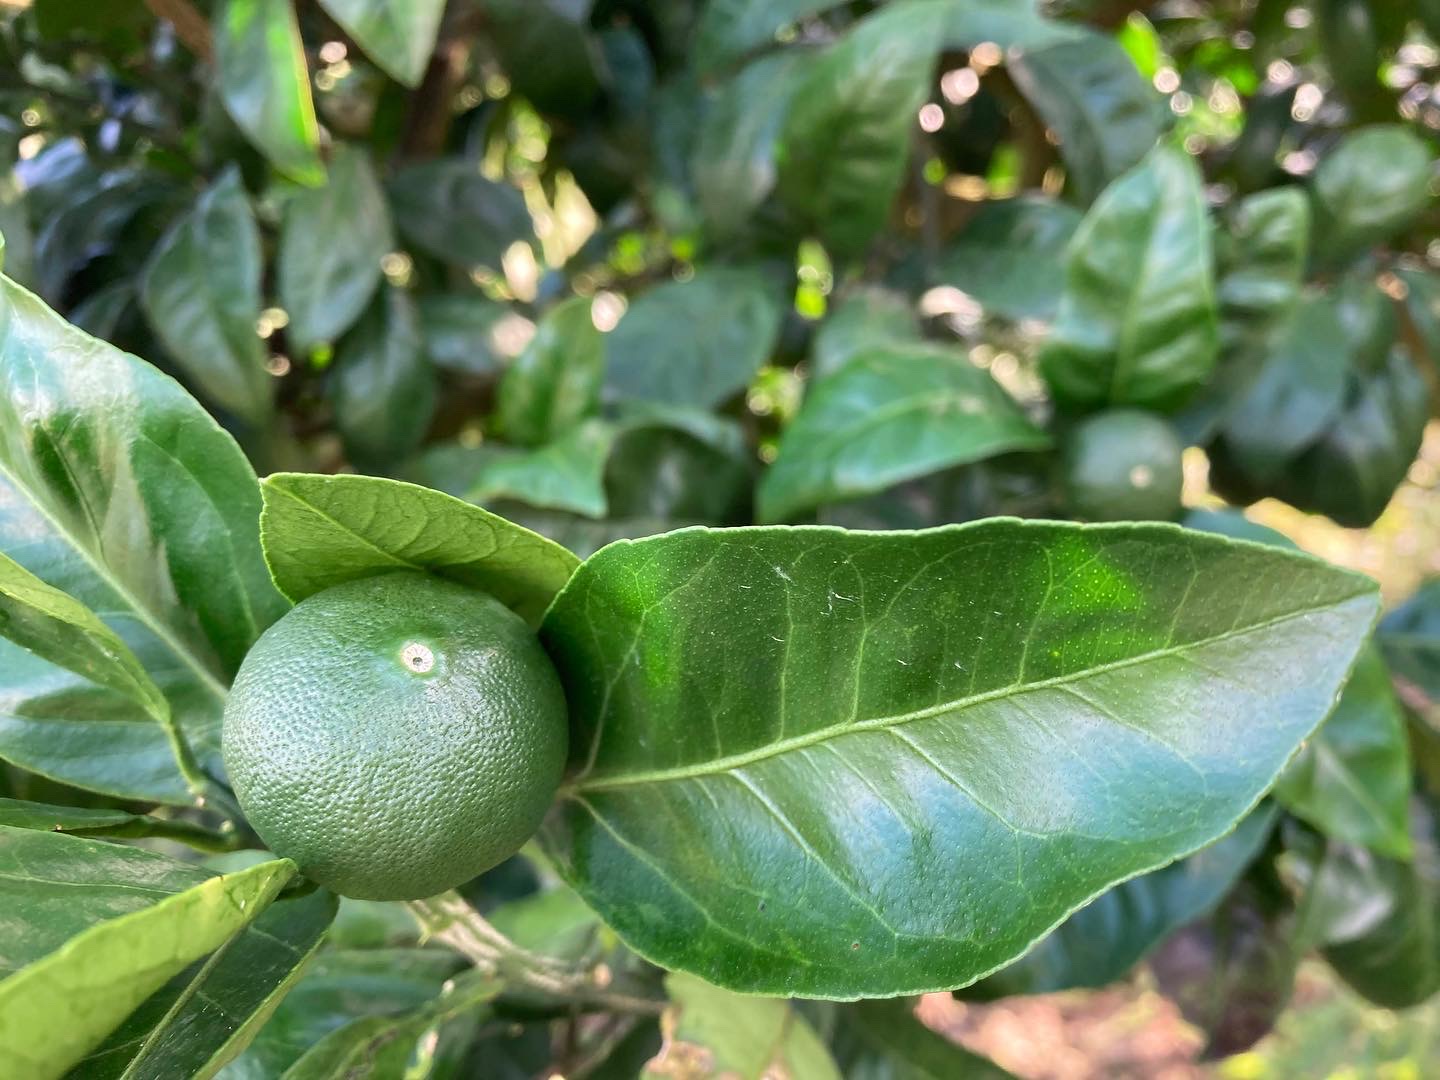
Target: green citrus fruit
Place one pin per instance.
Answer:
(1122, 465)
(396, 735)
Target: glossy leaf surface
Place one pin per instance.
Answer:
(202, 295)
(321, 530)
(854, 771)
(331, 242)
(555, 383)
(397, 34)
(90, 435)
(1137, 321)
(265, 85)
(887, 416)
(101, 927)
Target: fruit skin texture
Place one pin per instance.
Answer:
(1122, 465)
(396, 735)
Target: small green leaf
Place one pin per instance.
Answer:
(869, 318)
(547, 50)
(807, 801)
(384, 389)
(399, 35)
(1409, 637)
(1261, 265)
(568, 474)
(1005, 257)
(99, 822)
(201, 293)
(1137, 321)
(265, 85)
(448, 209)
(846, 138)
(1352, 779)
(749, 1038)
(555, 383)
(331, 242)
(887, 416)
(459, 331)
(77, 975)
(1370, 186)
(731, 317)
(1105, 113)
(321, 530)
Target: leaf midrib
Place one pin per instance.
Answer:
(799, 742)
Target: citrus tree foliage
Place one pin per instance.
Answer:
(752, 352)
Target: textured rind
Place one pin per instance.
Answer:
(384, 783)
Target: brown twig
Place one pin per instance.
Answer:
(190, 26)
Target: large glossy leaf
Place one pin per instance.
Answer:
(887, 416)
(846, 137)
(385, 389)
(1409, 636)
(1352, 779)
(882, 1040)
(331, 242)
(836, 796)
(1103, 111)
(1006, 257)
(339, 987)
(322, 530)
(729, 29)
(97, 928)
(555, 383)
(1107, 937)
(265, 85)
(399, 35)
(1137, 321)
(202, 295)
(117, 489)
(1372, 184)
(749, 1038)
(734, 161)
(209, 1013)
(450, 210)
(730, 316)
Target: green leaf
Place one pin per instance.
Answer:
(1101, 942)
(341, 986)
(459, 331)
(555, 383)
(846, 138)
(725, 1034)
(384, 389)
(882, 1040)
(1296, 394)
(847, 771)
(331, 242)
(381, 1047)
(321, 530)
(265, 85)
(568, 474)
(887, 416)
(869, 318)
(92, 438)
(1409, 637)
(729, 29)
(1369, 187)
(201, 293)
(399, 35)
(1089, 92)
(1422, 309)
(1262, 265)
(448, 209)
(733, 166)
(1352, 779)
(100, 822)
(101, 928)
(730, 318)
(208, 1014)
(1137, 322)
(1005, 257)
(547, 51)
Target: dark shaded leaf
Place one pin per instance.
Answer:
(448, 209)
(1010, 257)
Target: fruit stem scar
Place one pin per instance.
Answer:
(417, 657)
